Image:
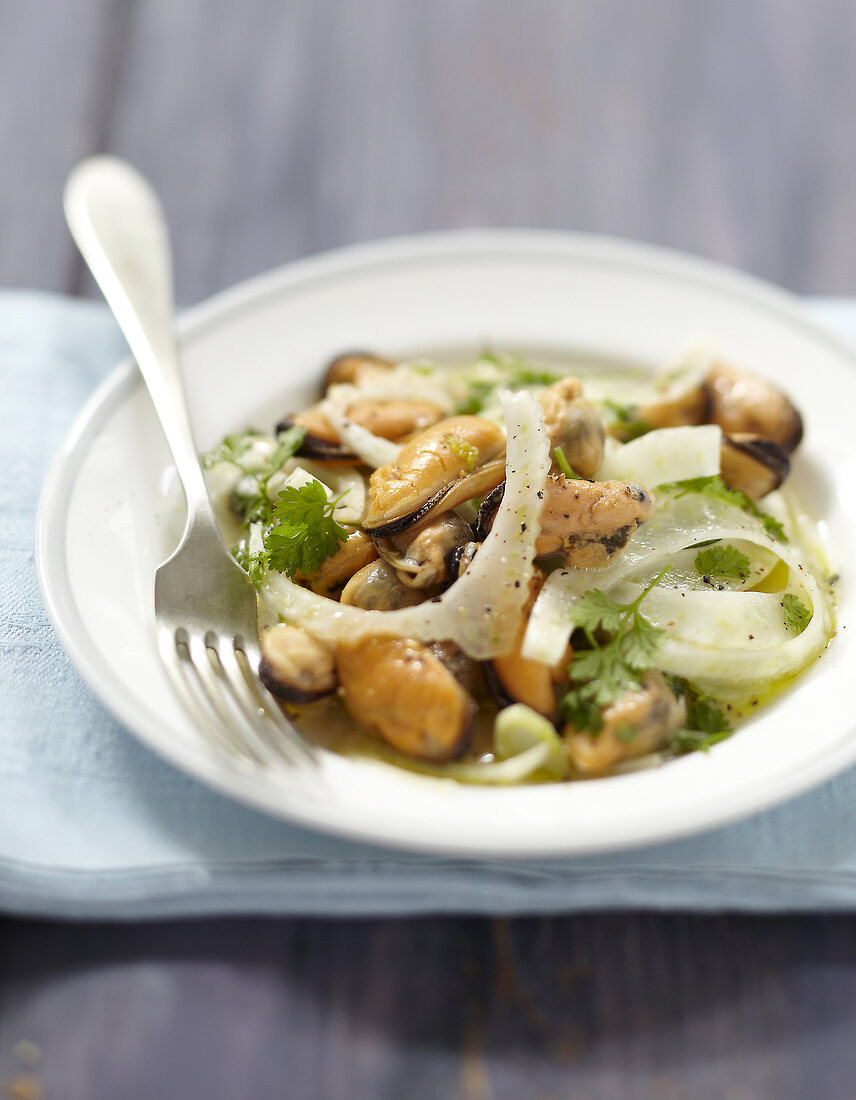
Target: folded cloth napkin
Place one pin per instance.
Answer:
(94, 825)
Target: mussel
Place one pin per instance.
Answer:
(455, 460)
(403, 691)
(421, 555)
(356, 368)
(635, 724)
(741, 402)
(754, 465)
(295, 666)
(378, 587)
(573, 424)
(583, 523)
(333, 573)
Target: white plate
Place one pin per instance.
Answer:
(255, 352)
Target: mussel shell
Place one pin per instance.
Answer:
(487, 511)
(755, 466)
(318, 448)
(344, 368)
(288, 692)
(421, 554)
(294, 666)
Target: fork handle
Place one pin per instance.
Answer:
(118, 225)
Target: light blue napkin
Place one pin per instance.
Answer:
(93, 825)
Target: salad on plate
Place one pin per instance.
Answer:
(501, 571)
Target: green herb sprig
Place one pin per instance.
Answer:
(303, 533)
(251, 498)
(716, 489)
(626, 419)
(706, 723)
(723, 561)
(608, 669)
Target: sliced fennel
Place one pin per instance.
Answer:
(373, 449)
(707, 632)
(518, 728)
(666, 454)
(528, 764)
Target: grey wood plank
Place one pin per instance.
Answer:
(277, 129)
(57, 66)
(641, 1007)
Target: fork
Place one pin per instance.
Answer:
(206, 608)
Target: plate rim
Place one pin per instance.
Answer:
(53, 507)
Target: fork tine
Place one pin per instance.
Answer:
(206, 658)
(250, 658)
(268, 723)
(183, 674)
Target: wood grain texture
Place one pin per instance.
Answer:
(274, 129)
(632, 1007)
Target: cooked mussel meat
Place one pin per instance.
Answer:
(295, 666)
(635, 724)
(356, 368)
(421, 555)
(393, 419)
(741, 402)
(378, 587)
(455, 460)
(356, 551)
(401, 690)
(572, 423)
(583, 523)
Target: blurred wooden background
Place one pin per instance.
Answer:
(277, 128)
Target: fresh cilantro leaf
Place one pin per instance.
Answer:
(723, 561)
(595, 609)
(687, 740)
(715, 488)
(641, 645)
(797, 615)
(603, 674)
(584, 716)
(303, 533)
(706, 723)
(605, 671)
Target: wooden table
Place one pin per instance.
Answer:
(274, 129)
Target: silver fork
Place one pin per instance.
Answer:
(206, 608)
